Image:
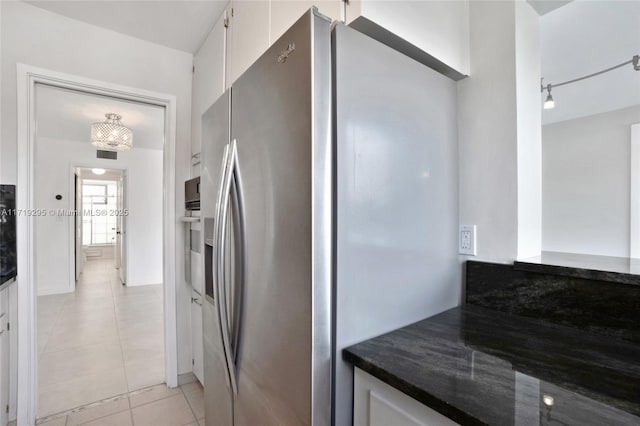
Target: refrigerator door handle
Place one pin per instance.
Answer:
(239, 233)
(221, 270)
(216, 243)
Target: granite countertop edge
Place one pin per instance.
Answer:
(429, 397)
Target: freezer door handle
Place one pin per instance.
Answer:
(216, 254)
(221, 230)
(239, 246)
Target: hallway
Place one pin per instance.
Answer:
(102, 341)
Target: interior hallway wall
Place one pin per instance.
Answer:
(54, 160)
(586, 179)
(36, 37)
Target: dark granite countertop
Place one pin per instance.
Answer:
(479, 366)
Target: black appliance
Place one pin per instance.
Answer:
(8, 263)
(192, 194)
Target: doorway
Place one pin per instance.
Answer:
(28, 350)
(98, 236)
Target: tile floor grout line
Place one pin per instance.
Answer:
(95, 404)
(189, 404)
(124, 363)
(55, 322)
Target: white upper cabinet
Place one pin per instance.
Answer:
(284, 13)
(208, 81)
(439, 28)
(248, 34)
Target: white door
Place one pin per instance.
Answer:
(78, 226)
(121, 230)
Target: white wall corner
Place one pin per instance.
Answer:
(487, 132)
(529, 129)
(634, 234)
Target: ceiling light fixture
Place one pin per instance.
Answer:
(111, 135)
(550, 103)
(98, 171)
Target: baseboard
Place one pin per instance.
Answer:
(48, 291)
(185, 378)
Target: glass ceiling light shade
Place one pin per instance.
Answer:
(111, 135)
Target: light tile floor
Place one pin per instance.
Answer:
(152, 406)
(101, 341)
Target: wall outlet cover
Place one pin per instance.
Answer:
(467, 240)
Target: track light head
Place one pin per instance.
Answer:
(549, 103)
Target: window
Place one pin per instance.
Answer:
(99, 199)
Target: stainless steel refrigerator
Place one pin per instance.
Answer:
(329, 201)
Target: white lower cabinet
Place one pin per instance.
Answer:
(196, 336)
(375, 403)
(4, 356)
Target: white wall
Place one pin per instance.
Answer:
(36, 37)
(496, 112)
(634, 190)
(487, 132)
(54, 161)
(586, 183)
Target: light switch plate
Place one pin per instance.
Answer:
(467, 240)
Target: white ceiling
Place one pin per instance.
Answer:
(179, 24)
(545, 6)
(585, 37)
(67, 115)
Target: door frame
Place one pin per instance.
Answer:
(81, 165)
(123, 204)
(27, 78)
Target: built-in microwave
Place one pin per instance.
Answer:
(192, 194)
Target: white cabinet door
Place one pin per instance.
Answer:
(248, 34)
(4, 356)
(285, 13)
(208, 82)
(197, 336)
(375, 403)
(439, 28)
